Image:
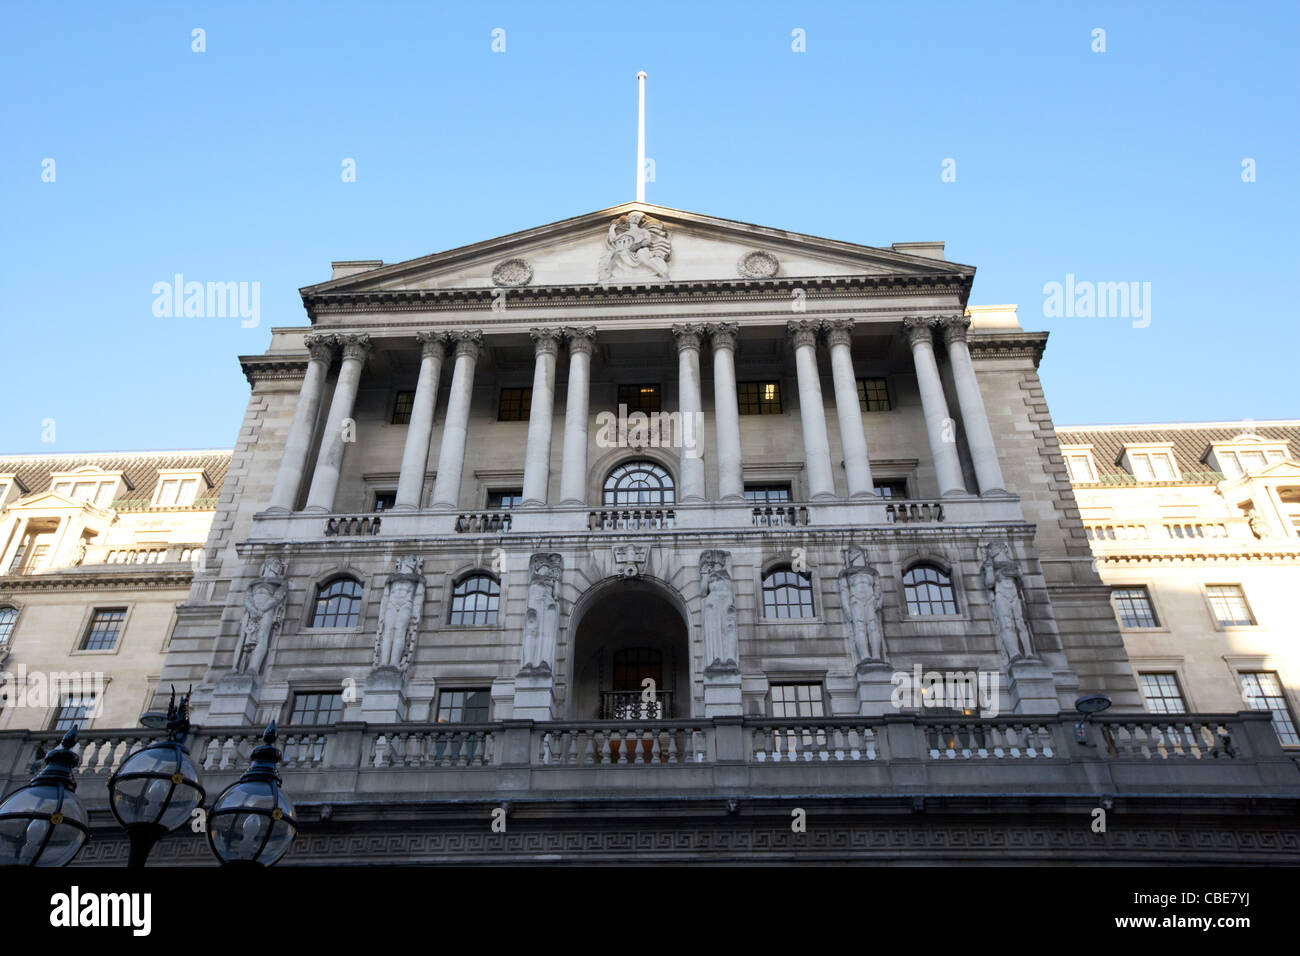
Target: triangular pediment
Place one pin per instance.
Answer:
(51, 499)
(638, 243)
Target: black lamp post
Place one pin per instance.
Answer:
(252, 822)
(157, 788)
(44, 824)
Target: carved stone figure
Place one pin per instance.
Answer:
(862, 598)
(636, 242)
(1001, 575)
(399, 614)
(718, 614)
(263, 612)
(542, 619)
(1257, 525)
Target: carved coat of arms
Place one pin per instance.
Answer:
(636, 243)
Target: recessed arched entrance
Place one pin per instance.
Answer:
(628, 631)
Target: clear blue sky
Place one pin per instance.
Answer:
(225, 166)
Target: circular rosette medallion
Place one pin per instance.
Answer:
(512, 272)
(758, 265)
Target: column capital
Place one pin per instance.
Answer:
(688, 335)
(546, 341)
(467, 342)
(724, 335)
(838, 331)
(432, 343)
(803, 331)
(356, 345)
(321, 346)
(582, 340)
(920, 329)
(954, 327)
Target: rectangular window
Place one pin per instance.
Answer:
(1080, 468)
(1152, 466)
(1252, 461)
(640, 398)
(1263, 691)
(503, 499)
(37, 560)
(84, 490)
(465, 706)
(873, 394)
(759, 398)
(167, 493)
(797, 700)
(313, 709)
(516, 404)
(402, 406)
(1228, 603)
(384, 500)
(891, 488)
(73, 709)
(767, 494)
(1133, 607)
(1162, 694)
(105, 625)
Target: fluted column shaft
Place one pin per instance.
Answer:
(939, 427)
(726, 412)
(573, 467)
(455, 431)
(853, 439)
(537, 451)
(329, 463)
(812, 414)
(415, 455)
(297, 445)
(979, 436)
(690, 407)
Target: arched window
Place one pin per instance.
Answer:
(928, 590)
(639, 483)
(8, 617)
(338, 603)
(787, 593)
(475, 600)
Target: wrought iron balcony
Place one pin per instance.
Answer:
(631, 705)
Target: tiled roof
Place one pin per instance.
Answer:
(1190, 441)
(139, 467)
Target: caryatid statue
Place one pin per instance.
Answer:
(862, 599)
(399, 613)
(542, 619)
(718, 614)
(263, 611)
(1001, 575)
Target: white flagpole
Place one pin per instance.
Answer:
(640, 139)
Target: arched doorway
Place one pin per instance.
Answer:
(629, 631)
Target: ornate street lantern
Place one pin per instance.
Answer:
(156, 789)
(44, 824)
(252, 822)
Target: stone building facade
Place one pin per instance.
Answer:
(1196, 529)
(98, 550)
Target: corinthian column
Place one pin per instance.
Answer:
(537, 452)
(455, 431)
(329, 463)
(690, 408)
(979, 436)
(573, 468)
(297, 446)
(415, 456)
(857, 463)
(812, 414)
(726, 412)
(941, 430)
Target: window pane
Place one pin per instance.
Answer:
(402, 406)
(1162, 694)
(505, 498)
(8, 617)
(759, 398)
(638, 483)
(105, 624)
(928, 591)
(474, 601)
(1228, 603)
(891, 488)
(74, 709)
(787, 594)
(873, 395)
(516, 404)
(640, 398)
(797, 700)
(338, 604)
(469, 706)
(1133, 607)
(1164, 469)
(384, 500)
(1263, 691)
(325, 708)
(767, 494)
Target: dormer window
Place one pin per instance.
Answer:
(89, 484)
(1150, 462)
(1244, 455)
(178, 488)
(1078, 460)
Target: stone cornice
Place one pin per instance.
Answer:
(272, 368)
(75, 579)
(1281, 555)
(657, 293)
(1007, 345)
